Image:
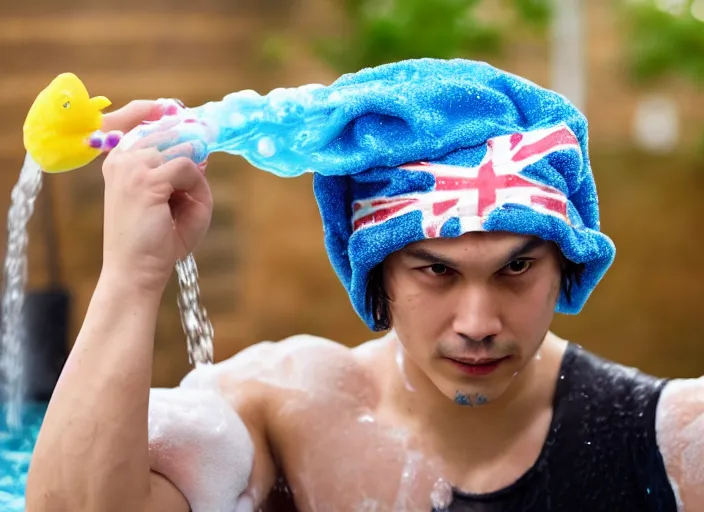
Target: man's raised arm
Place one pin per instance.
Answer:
(92, 451)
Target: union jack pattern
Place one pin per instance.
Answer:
(470, 194)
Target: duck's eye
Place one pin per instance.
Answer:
(67, 104)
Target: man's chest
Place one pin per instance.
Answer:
(340, 465)
(351, 459)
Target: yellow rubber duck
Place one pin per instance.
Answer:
(61, 131)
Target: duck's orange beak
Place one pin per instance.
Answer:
(99, 102)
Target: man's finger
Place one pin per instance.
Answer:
(159, 140)
(185, 176)
(149, 157)
(132, 115)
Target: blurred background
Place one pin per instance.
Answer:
(634, 67)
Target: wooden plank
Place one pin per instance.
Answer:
(96, 28)
(27, 56)
(11, 147)
(191, 84)
(152, 8)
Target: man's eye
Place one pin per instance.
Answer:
(438, 269)
(518, 267)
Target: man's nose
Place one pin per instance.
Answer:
(477, 314)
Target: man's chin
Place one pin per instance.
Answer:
(471, 398)
(475, 395)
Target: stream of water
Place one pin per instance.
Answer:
(194, 319)
(12, 355)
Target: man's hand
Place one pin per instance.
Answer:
(158, 204)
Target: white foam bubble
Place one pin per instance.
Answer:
(365, 418)
(199, 443)
(266, 147)
(246, 93)
(237, 120)
(245, 504)
(441, 496)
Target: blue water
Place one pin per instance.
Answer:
(15, 453)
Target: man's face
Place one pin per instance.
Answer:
(472, 311)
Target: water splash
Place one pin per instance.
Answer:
(401, 365)
(194, 319)
(23, 197)
(404, 500)
(441, 496)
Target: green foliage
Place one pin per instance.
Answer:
(382, 31)
(534, 12)
(658, 43)
(663, 43)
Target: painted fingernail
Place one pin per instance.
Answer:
(112, 139)
(95, 141)
(170, 110)
(169, 107)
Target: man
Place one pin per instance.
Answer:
(460, 213)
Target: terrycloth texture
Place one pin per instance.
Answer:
(515, 160)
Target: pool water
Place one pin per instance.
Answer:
(15, 453)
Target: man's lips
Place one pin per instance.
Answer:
(477, 361)
(476, 367)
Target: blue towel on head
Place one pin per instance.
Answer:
(426, 148)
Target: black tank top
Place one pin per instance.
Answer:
(601, 452)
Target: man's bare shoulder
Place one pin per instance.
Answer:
(298, 363)
(279, 388)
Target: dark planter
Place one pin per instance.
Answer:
(47, 316)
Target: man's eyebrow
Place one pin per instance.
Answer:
(522, 250)
(433, 258)
(429, 257)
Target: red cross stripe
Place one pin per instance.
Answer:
(470, 194)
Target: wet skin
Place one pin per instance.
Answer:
(346, 432)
